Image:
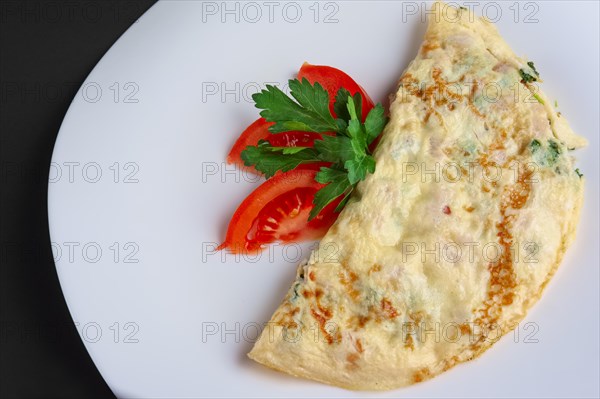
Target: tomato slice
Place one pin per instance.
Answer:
(278, 211)
(332, 80)
(259, 130)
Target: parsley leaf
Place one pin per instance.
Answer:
(313, 98)
(340, 107)
(362, 162)
(327, 175)
(338, 185)
(375, 122)
(334, 149)
(356, 130)
(344, 200)
(288, 150)
(358, 168)
(309, 114)
(269, 160)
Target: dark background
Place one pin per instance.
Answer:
(47, 48)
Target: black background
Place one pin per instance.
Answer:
(46, 51)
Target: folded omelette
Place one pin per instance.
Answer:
(443, 249)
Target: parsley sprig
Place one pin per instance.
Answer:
(308, 110)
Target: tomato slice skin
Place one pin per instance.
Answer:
(333, 79)
(278, 211)
(259, 130)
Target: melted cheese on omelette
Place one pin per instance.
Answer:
(442, 250)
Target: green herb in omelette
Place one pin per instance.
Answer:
(538, 98)
(553, 151)
(530, 65)
(535, 145)
(308, 110)
(548, 156)
(527, 77)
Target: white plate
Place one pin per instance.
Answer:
(139, 195)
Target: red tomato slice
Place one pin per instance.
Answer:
(332, 80)
(259, 130)
(278, 211)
